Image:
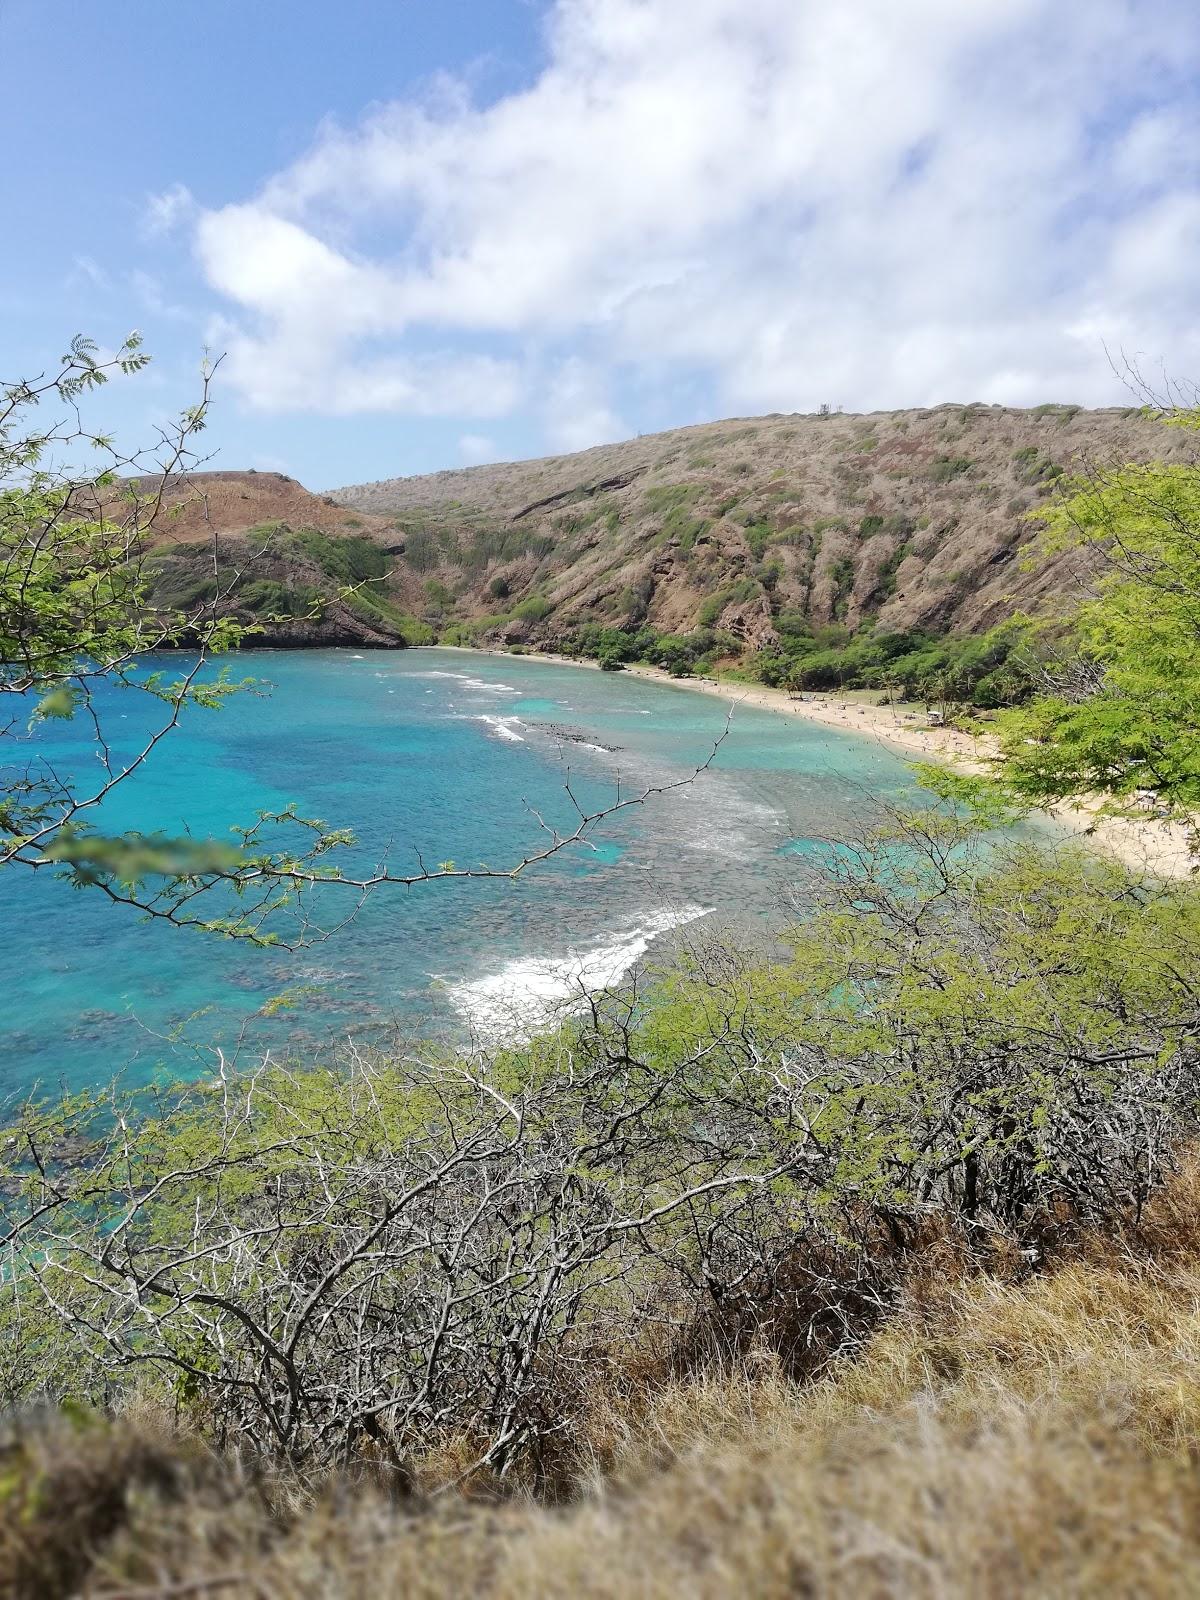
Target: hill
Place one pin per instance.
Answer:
(195, 505)
(773, 539)
(903, 520)
(296, 566)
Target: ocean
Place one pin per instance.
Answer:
(434, 755)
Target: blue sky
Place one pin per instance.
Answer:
(429, 234)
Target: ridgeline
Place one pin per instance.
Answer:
(845, 543)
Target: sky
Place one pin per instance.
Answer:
(429, 233)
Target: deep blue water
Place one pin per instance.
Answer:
(443, 752)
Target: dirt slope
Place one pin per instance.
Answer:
(902, 520)
(233, 502)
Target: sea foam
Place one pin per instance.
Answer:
(480, 684)
(503, 728)
(533, 992)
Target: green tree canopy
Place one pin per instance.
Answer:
(1121, 711)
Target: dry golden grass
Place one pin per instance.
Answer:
(996, 1439)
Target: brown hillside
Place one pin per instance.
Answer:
(915, 518)
(911, 520)
(294, 567)
(234, 502)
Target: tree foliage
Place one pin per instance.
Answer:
(996, 668)
(1121, 711)
(72, 618)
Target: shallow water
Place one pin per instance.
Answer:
(448, 754)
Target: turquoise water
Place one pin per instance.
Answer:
(445, 753)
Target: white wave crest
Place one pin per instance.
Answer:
(534, 992)
(503, 728)
(471, 683)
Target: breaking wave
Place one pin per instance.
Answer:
(533, 992)
(503, 727)
(479, 684)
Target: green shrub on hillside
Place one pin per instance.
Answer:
(182, 585)
(269, 597)
(758, 537)
(667, 497)
(421, 550)
(1034, 468)
(489, 546)
(349, 560)
(679, 654)
(888, 571)
(945, 469)
(841, 576)
(460, 633)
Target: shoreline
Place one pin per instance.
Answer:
(1156, 846)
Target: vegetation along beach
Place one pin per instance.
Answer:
(600, 801)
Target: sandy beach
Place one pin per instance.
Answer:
(1159, 847)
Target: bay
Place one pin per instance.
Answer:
(434, 755)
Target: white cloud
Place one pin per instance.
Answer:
(1159, 147)
(867, 203)
(150, 292)
(296, 370)
(476, 448)
(576, 410)
(167, 211)
(86, 270)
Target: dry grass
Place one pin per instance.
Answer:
(996, 1439)
(231, 502)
